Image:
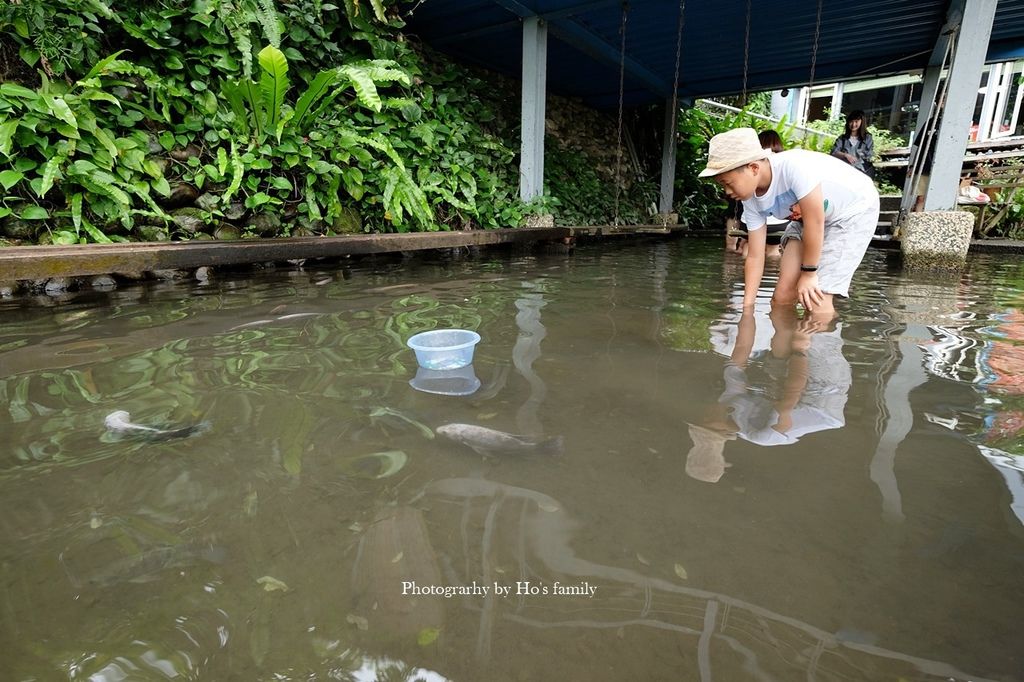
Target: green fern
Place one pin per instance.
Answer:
(322, 82)
(268, 20)
(237, 21)
(273, 85)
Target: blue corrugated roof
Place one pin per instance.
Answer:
(856, 40)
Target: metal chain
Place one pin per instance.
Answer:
(622, 85)
(746, 57)
(679, 52)
(814, 49)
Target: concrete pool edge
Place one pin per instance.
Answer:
(20, 264)
(34, 263)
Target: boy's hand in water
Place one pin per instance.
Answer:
(808, 291)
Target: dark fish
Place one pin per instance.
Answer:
(147, 565)
(492, 442)
(119, 421)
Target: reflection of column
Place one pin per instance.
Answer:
(704, 643)
(909, 375)
(526, 350)
(1012, 470)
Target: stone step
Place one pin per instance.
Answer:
(890, 202)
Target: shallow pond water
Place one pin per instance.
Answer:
(696, 495)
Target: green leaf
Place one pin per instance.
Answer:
(411, 112)
(251, 92)
(95, 233)
(317, 89)
(102, 96)
(50, 171)
(237, 173)
(366, 89)
(20, 26)
(102, 65)
(65, 238)
(10, 178)
(166, 139)
(273, 82)
(257, 199)
(34, 213)
(15, 90)
(281, 183)
(162, 187)
(30, 56)
(107, 140)
(76, 210)
(60, 109)
(7, 129)
(378, 9)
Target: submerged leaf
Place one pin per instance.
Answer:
(271, 583)
(427, 636)
(358, 621)
(376, 465)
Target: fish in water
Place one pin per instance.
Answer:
(120, 421)
(150, 564)
(492, 442)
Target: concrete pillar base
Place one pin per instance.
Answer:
(936, 240)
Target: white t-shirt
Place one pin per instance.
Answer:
(821, 405)
(795, 173)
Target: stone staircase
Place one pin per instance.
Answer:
(890, 208)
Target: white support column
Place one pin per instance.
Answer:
(535, 60)
(782, 104)
(836, 111)
(801, 103)
(668, 158)
(989, 102)
(961, 95)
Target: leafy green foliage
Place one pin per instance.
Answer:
(280, 118)
(62, 154)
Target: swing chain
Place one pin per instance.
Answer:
(679, 52)
(814, 48)
(622, 85)
(746, 57)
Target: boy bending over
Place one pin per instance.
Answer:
(837, 204)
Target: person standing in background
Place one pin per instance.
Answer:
(856, 146)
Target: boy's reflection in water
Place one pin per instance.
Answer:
(801, 388)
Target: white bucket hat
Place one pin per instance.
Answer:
(732, 149)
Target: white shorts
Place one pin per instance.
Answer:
(842, 248)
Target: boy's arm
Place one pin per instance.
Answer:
(745, 334)
(812, 206)
(753, 266)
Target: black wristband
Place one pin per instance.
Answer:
(808, 268)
